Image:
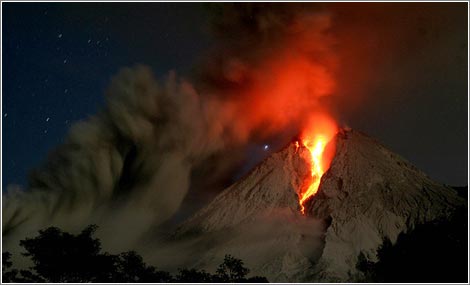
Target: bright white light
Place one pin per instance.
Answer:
(266, 147)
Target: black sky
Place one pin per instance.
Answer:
(408, 64)
(58, 60)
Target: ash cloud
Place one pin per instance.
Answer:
(129, 167)
(126, 168)
(273, 63)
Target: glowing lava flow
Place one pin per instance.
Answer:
(315, 147)
(315, 140)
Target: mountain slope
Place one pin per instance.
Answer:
(368, 194)
(271, 185)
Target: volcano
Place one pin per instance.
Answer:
(367, 195)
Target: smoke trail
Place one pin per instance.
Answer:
(128, 168)
(133, 160)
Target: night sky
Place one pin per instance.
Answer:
(58, 60)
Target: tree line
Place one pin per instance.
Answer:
(59, 256)
(432, 252)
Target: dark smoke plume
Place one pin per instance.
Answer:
(128, 168)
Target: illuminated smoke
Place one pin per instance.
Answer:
(129, 167)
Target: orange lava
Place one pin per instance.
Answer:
(315, 138)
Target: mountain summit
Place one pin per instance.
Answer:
(367, 195)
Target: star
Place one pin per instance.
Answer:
(266, 147)
(66, 90)
(65, 61)
(47, 119)
(59, 36)
(5, 115)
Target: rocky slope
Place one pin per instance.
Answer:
(368, 194)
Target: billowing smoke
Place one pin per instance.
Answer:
(273, 63)
(128, 168)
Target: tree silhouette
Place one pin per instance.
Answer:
(63, 257)
(433, 252)
(24, 276)
(232, 270)
(59, 256)
(193, 275)
(131, 268)
(7, 274)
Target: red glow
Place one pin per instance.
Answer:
(317, 134)
(279, 88)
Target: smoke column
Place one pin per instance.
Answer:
(128, 168)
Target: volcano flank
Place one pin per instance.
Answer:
(369, 194)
